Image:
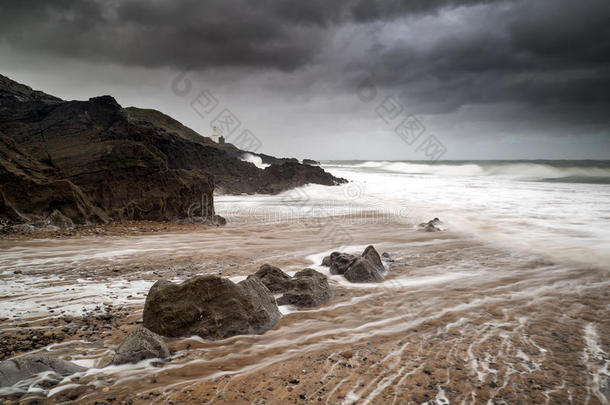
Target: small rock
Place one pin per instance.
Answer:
(273, 278)
(434, 225)
(348, 354)
(340, 262)
(20, 368)
(141, 344)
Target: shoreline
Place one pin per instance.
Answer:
(455, 318)
(115, 228)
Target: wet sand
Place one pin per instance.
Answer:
(457, 320)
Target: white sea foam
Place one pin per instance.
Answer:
(495, 202)
(255, 160)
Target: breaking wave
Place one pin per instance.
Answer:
(255, 160)
(570, 171)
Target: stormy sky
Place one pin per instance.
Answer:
(354, 79)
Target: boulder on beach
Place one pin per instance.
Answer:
(211, 307)
(366, 268)
(273, 278)
(308, 288)
(141, 344)
(340, 262)
(433, 225)
(326, 261)
(20, 368)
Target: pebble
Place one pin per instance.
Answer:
(348, 354)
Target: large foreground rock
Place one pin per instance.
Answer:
(20, 368)
(141, 344)
(308, 288)
(210, 307)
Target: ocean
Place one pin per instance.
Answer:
(560, 208)
(557, 208)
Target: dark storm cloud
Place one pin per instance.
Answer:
(549, 58)
(190, 33)
(182, 34)
(530, 52)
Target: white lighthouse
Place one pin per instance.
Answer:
(214, 136)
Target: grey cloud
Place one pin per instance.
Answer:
(277, 34)
(547, 59)
(531, 52)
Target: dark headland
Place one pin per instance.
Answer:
(66, 163)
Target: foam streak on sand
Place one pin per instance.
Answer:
(597, 362)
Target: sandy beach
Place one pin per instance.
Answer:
(456, 321)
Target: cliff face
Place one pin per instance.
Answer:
(32, 192)
(94, 161)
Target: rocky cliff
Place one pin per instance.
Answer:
(93, 161)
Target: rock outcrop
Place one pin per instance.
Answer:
(434, 225)
(20, 368)
(109, 163)
(280, 177)
(141, 344)
(210, 307)
(32, 192)
(366, 268)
